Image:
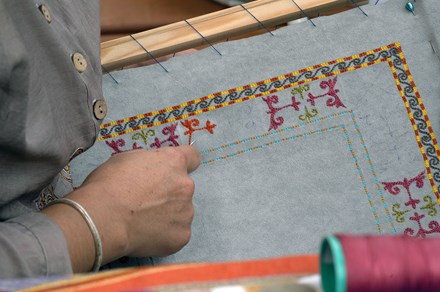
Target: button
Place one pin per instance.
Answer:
(45, 11)
(80, 62)
(99, 109)
(75, 153)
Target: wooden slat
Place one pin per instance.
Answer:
(131, 16)
(215, 26)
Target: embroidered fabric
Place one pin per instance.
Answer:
(345, 142)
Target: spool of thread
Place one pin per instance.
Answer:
(380, 263)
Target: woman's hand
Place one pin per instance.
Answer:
(140, 201)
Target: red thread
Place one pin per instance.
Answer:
(391, 263)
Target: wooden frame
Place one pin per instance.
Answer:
(215, 26)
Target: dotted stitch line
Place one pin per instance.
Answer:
(257, 137)
(361, 175)
(262, 146)
(373, 172)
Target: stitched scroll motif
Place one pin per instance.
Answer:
(191, 126)
(332, 101)
(168, 138)
(414, 209)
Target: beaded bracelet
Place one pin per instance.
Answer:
(92, 227)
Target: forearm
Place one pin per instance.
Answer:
(80, 242)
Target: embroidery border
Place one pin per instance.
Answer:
(391, 53)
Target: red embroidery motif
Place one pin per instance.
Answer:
(334, 99)
(191, 124)
(394, 189)
(116, 146)
(434, 227)
(275, 122)
(170, 131)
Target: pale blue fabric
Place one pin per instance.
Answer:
(283, 198)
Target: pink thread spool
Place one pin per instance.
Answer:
(380, 263)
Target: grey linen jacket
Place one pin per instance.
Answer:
(47, 117)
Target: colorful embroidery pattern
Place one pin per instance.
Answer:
(191, 124)
(171, 140)
(392, 54)
(394, 189)
(116, 145)
(418, 117)
(334, 100)
(270, 101)
(168, 137)
(244, 93)
(143, 135)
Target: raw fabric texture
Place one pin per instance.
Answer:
(313, 131)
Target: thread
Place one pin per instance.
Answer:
(380, 263)
(261, 23)
(303, 12)
(206, 40)
(106, 71)
(355, 4)
(148, 52)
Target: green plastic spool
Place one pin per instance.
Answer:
(332, 264)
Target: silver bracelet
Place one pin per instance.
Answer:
(92, 227)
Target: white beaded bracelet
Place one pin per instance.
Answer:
(92, 227)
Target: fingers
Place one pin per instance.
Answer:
(192, 157)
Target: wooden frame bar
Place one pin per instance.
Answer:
(215, 26)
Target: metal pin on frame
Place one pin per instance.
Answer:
(151, 55)
(107, 72)
(206, 40)
(303, 12)
(261, 23)
(355, 4)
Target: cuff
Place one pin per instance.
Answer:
(41, 244)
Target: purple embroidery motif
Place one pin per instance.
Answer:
(334, 99)
(170, 131)
(433, 225)
(116, 146)
(394, 189)
(278, 121)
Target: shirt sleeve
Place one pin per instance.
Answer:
(46, 118)
(32, 245)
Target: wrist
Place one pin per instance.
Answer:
(107, 218)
